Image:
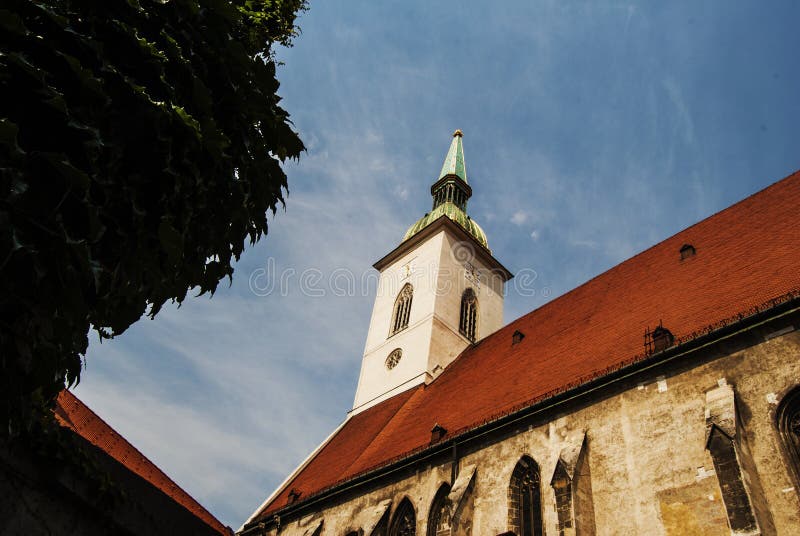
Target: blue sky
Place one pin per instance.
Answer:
(591, 131)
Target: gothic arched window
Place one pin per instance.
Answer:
(404, 522)
(439, 517)
(469, 314)
(402, 309)
(788, 421)
(524, 499)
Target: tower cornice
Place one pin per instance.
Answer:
(443, 222)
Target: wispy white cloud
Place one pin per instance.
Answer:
(401, 191)
(684, 121)
(519, 217)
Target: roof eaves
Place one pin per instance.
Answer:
(431, 229)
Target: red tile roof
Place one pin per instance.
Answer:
(746, 256)
(73, 414)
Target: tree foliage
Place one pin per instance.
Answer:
(141, 144)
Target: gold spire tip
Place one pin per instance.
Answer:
(458, 133)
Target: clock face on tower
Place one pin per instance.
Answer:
(394, 358)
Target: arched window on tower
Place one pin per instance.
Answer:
(404, 522)
(788, 421)
(469, 314)
(524, 499)
(402, 309)
(439, 518)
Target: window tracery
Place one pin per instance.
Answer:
(469, 314)
(405, 520)
(402, 309)
(439, 518)
(524, 499)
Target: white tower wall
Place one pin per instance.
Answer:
(440, 268)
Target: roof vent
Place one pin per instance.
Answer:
(294, 494)
(517, 337)
(662, 339)
(687, 250)
(657, 340)
(437, 432)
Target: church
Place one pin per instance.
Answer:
(660, 397)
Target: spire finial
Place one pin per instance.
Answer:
(454, 161)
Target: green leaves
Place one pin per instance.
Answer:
(140, 146)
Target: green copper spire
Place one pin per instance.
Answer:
(454, 161)
(450, 193)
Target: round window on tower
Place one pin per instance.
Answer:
(394, 358)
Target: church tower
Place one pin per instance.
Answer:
(439, 291)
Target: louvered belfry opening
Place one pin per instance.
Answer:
(469, 314)
(450, 192)
(452, 187)
(402, 309)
